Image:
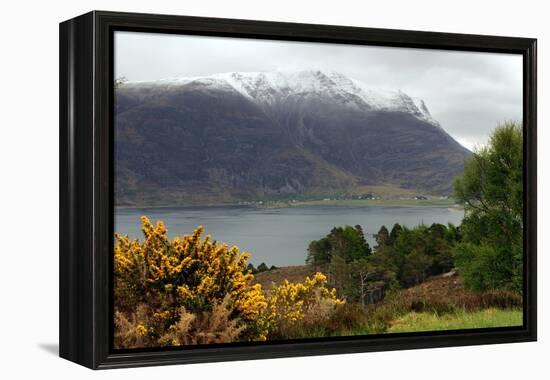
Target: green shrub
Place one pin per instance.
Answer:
(489, 267)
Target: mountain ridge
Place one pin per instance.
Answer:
(240, 136)
(304, 81)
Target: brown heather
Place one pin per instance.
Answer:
(438, 295)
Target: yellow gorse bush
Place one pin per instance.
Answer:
(187, 272)
(291, 302)
(164, 279)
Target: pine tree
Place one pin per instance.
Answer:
(382, 237)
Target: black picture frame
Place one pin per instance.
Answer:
(86, 186)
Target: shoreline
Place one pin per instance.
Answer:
(443, 203)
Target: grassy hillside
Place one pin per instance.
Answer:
(439, 303)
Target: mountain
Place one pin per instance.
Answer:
(245, 136)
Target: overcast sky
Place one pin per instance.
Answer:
(468, 93)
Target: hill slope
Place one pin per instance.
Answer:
(244, 136)
(274, 277)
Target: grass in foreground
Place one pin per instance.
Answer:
(414, 321)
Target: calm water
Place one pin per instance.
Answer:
(280, 236)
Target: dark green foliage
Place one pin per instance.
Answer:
(361, 238)
(414, 254)
(262, 268)
(453, 233)
(415, 268)
(395, 231)
(250, 267)
(491, 190)
(486, 267)
(340, 276)
(346, 242)
(359, 280)
(345, 253)
(382, 237)
(388, 258)
(319, 252)
(403, 257)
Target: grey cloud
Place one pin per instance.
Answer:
(467, 92)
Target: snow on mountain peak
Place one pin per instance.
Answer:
(268, 87)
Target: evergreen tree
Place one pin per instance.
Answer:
(319, 252)
(395, 231)
(262, 268)
(347, 242)
(382, 237)
(250, 267)
(491, 190)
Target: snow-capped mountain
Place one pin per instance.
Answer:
(268, 88)
(247, 136)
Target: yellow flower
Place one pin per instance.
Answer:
(141, 330)
(188, 272)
